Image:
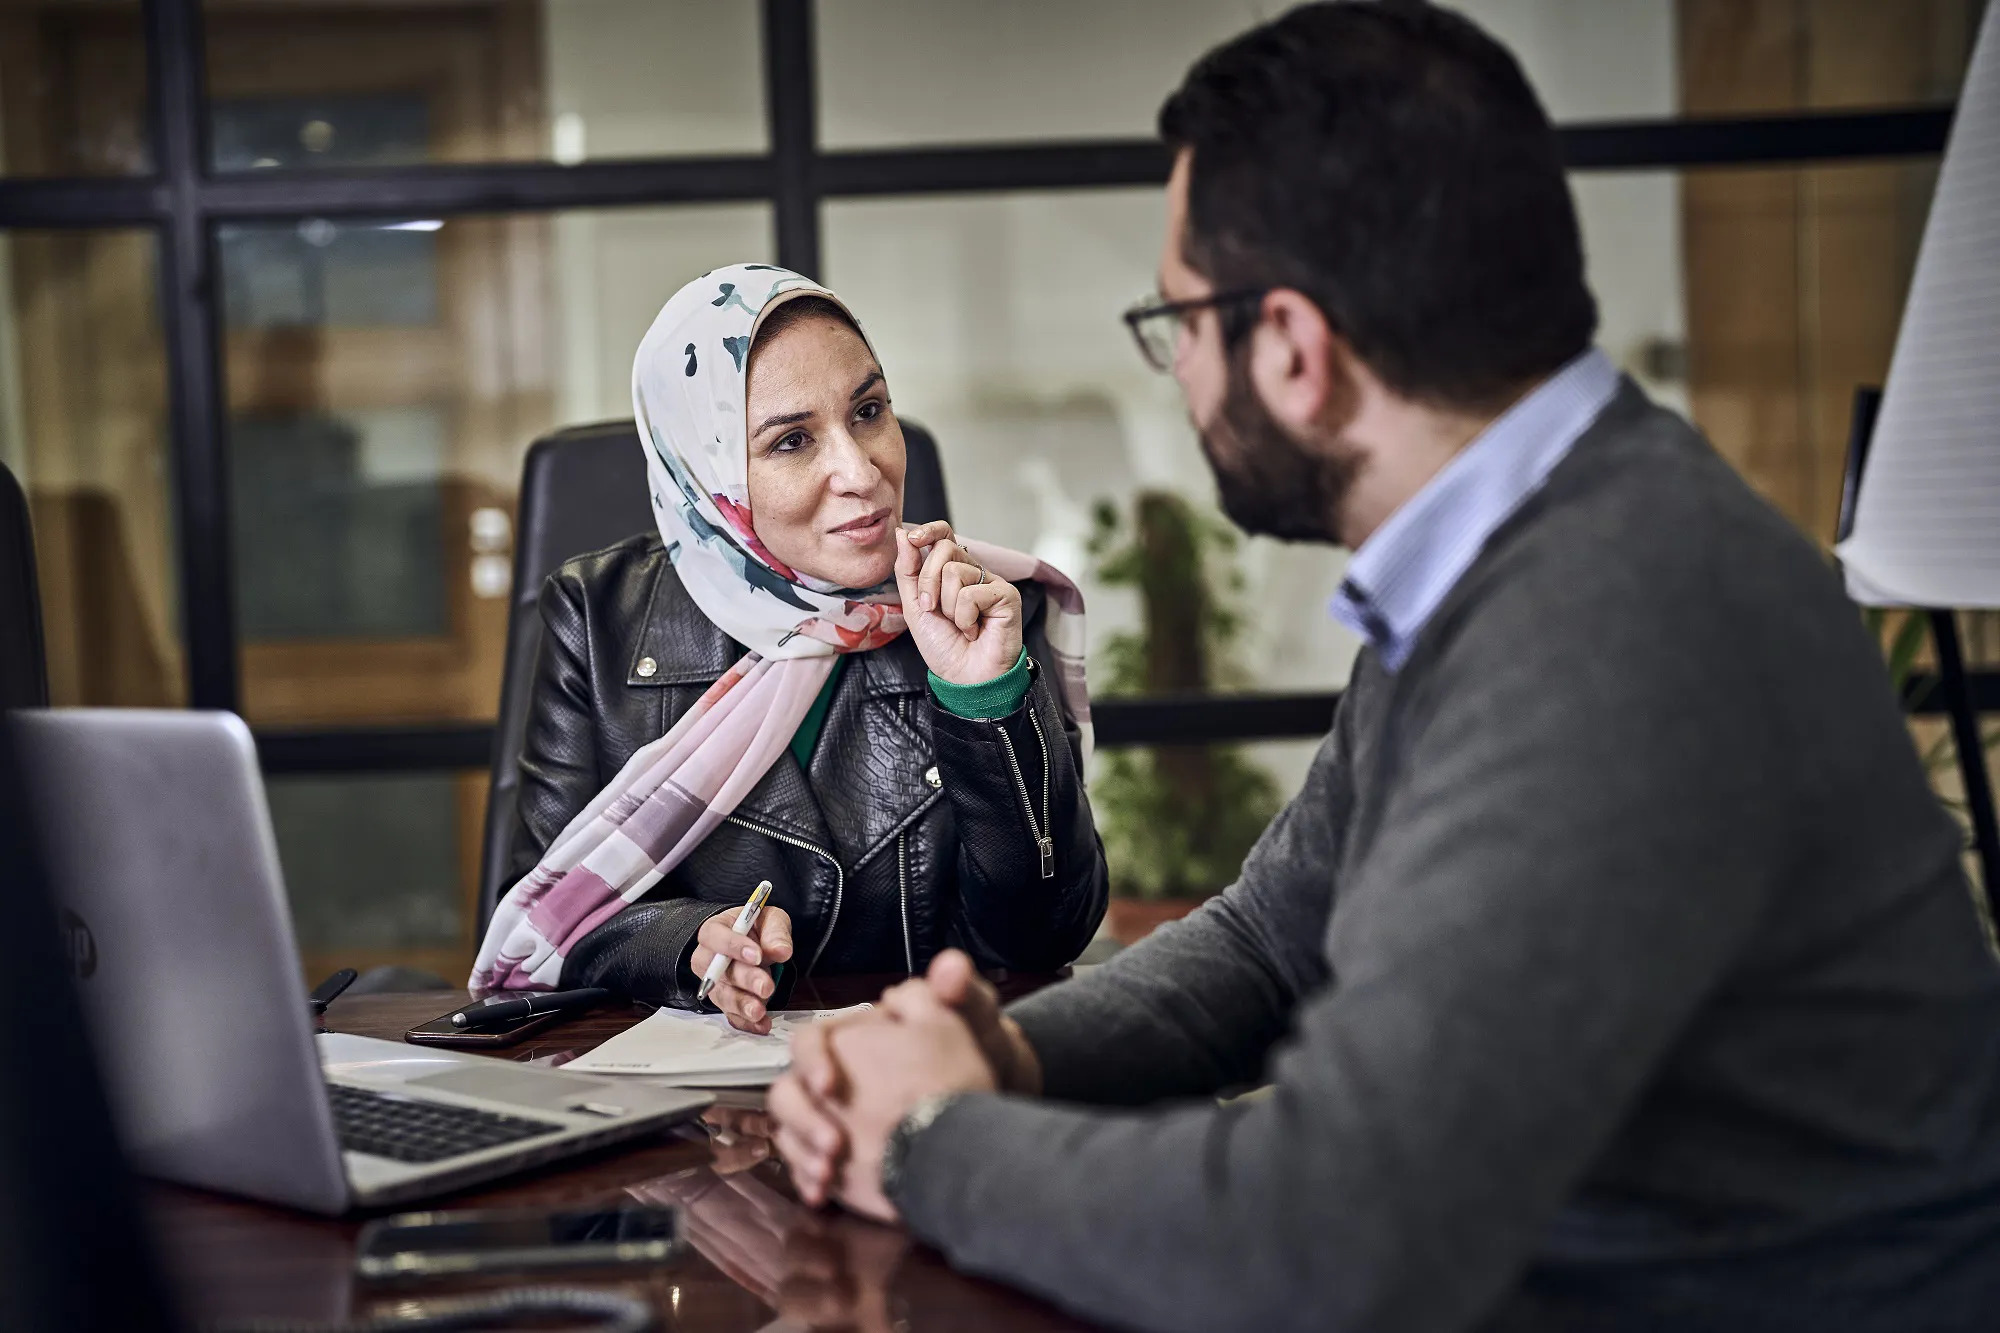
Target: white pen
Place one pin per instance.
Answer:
(744, 920)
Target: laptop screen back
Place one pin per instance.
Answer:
(68, 1209)
(179, 937)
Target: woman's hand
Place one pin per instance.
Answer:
(966, 621)
(745, 984)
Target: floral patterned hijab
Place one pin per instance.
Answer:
(689, 390)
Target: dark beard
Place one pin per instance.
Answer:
(1268, 484)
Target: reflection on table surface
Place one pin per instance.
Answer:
(817, 1270)
(758, 1261)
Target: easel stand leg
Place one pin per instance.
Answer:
(1971, 755)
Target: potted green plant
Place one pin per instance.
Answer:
(1177, 820)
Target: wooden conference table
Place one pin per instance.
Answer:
(759, 1260)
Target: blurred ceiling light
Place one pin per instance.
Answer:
(566, 136)
(420, 224)
(317, 136)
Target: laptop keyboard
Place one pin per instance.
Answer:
(405, 1130)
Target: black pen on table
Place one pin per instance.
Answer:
(506, 1011)
(329, 990)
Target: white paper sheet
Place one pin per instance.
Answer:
(702, 1050)
(1927, 524)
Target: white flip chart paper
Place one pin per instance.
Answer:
(1927, 525)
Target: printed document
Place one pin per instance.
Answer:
(701, 1050)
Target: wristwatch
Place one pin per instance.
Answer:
(896, 1151)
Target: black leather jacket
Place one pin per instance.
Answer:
(911, 830)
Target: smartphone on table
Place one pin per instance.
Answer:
(441, 1031)
(502, 1240)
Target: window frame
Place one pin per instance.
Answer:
(183, 203)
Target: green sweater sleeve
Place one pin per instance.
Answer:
(989, 698)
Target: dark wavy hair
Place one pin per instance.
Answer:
(1389, 160)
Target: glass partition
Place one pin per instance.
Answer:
(83, 426)
(73, 89)
(310, 86)
(385, 378)
(895, 75)
(379, 868)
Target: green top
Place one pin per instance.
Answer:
(988, 699)
(807, 735)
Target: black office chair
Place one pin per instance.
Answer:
(582, 489)
(24, 678)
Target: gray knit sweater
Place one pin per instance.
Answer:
(1614, 968)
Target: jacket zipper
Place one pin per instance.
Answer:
(903, 865)
(1045, 844)
(839, 877)
(903, 881)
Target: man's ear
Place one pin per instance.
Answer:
(1295, 361)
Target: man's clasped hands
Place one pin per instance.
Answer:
(853, 1081)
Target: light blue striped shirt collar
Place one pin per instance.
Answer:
(1403, 572)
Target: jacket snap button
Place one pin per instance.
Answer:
(647, 666)
(931, 776)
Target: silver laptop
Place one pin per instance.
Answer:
(180, 938)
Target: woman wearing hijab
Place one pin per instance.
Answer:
(786, 683)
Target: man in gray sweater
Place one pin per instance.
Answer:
(1615, 967)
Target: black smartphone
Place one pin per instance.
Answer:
(441, 1031)
(496, 1240)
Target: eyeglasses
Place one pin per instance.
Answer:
(1156, 325)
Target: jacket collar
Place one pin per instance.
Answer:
(894, 668)
(679, 645)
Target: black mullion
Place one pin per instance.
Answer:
(490, 187)
(377, 749)
(1170, 720)
(1639, 145)
(1689, 142)
(977, 168)
(82, 201)
(796, 178)
(793, 108)
(188, 289)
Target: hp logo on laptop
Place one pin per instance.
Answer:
(79, 945)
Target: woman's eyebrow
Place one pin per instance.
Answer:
(793, 418)
(783, 419)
